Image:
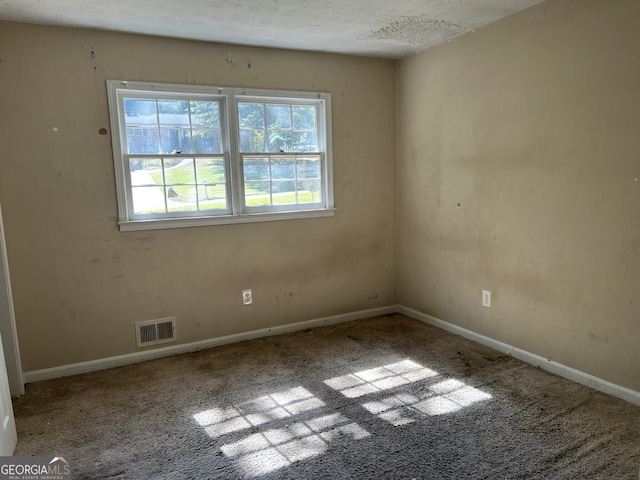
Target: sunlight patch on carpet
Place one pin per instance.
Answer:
(292, 439)
(273, 431)
(446, 396)
(380, 378)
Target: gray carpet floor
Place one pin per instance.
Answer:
(385, 398)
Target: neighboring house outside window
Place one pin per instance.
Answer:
(191, 155)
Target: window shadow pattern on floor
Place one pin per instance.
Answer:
(443, 396)
(271, 432)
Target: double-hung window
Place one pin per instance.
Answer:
(192, 155)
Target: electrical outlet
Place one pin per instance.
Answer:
(247, 298)
(486, 298)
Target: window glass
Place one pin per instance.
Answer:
(178, 158)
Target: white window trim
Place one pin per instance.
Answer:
(236, 213)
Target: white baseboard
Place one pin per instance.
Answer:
(577, 376)
(120, 360)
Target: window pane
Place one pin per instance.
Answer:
(283, 186)
(207, 141)
(142, 140)
(175, 141)
(140, 112)
(308, 167)
(252, 141)
(205, 114)
(283, 168)
(279, 141)
(173, 113)
(304, 117)
(305, 142)
(181, 199)
(148, 200)
(145, 171)
(180, 173)
(284, 192)
(309, 191)
(212, 196)
(256, 169)
(278, 116)
(251, 115)
(210, 170)
(257, 193)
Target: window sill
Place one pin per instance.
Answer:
(136, 225)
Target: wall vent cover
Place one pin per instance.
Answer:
(154, 332)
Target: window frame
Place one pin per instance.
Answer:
(228, 98)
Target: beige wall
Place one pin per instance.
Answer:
(80, 284)
(519, 172)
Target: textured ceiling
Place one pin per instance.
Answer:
(380, 28)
